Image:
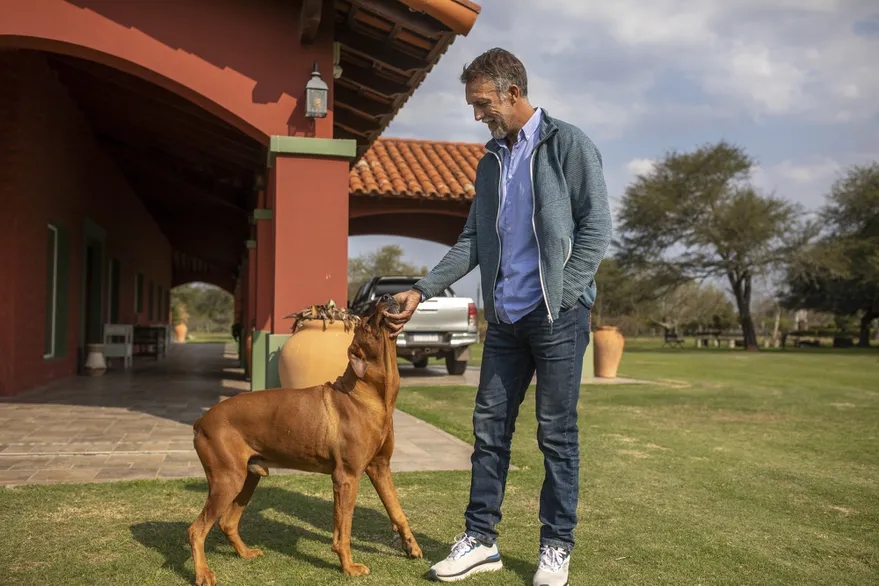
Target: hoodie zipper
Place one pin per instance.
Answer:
(536, 237)
(497, 231)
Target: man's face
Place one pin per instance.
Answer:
(490, 107)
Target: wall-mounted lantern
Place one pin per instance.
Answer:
(316, 93)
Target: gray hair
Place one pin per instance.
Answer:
(500, 67)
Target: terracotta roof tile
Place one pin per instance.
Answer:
(395, 167)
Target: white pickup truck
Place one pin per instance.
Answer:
(442, 327)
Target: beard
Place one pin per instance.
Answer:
(498, 130)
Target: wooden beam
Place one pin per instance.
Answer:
(359, 103)
(403, 17)
(365, 125)
(151, 171)
(374, 49)
(352, 132)
(370, 78)
(309, 20)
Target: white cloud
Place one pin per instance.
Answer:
(637, 167)
(772, 57)
(806, 181)
(822, 169)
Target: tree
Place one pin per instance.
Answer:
(696, 216)
(206, 307)
(691, 306)
(387, 260)
(840, 272)
(620, 293)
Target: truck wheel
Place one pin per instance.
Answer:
(420, 363)
(456, 367)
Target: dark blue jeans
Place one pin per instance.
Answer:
(511, 356)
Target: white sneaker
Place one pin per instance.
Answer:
(468, 556)
(552, 567)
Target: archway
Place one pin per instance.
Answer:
(185, 49)
(439, 228)
(206, 310)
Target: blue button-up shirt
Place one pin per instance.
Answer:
(518, 289)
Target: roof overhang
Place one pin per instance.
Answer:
(385, 50)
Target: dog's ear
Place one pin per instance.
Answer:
(358, 364)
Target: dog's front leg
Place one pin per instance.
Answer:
(345, 487)
(379, 472)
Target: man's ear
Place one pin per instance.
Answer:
(358, 365)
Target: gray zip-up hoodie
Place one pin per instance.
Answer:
(571, 221)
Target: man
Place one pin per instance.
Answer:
(538, 228)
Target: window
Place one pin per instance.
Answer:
(138, 293)
(160, 300)
(113, 304)
(151, 314)
(51, 292)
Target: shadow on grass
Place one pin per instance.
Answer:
(371, 528)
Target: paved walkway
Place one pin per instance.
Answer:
(138, 424)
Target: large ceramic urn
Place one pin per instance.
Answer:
(95, 363)
(609, 343)
(317, 352)
(180, 330)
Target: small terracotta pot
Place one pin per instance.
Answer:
(609, 343)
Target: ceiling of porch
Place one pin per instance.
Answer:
(193, 172)
(196, 175)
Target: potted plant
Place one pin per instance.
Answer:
(179, 319)
(317, 351)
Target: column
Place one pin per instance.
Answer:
(264, 293)
(308, 239)
(251, 306)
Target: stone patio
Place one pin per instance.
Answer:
(138, 424)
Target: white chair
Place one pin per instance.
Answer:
(119, 343)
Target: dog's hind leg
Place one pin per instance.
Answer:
(225, 481)
(344, 498)
(230, 519)
(379, 472)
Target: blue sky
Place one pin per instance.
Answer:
(795, 82)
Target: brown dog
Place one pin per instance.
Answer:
(343, 429)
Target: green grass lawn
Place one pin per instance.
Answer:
(210, 338)
(733, 468)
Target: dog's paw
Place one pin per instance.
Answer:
(414, 551)
(251, 553)
(356, 570)
(410, 546)
(205, 578)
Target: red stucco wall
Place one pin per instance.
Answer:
(241, 61)
(51, 168)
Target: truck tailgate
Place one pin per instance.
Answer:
(441, 314)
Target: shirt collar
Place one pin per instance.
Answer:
(527, 131)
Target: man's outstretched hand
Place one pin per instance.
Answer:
(408, 301)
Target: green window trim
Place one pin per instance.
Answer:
(57, 306)
(151, 302)
(51, 292)
(138, 293)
